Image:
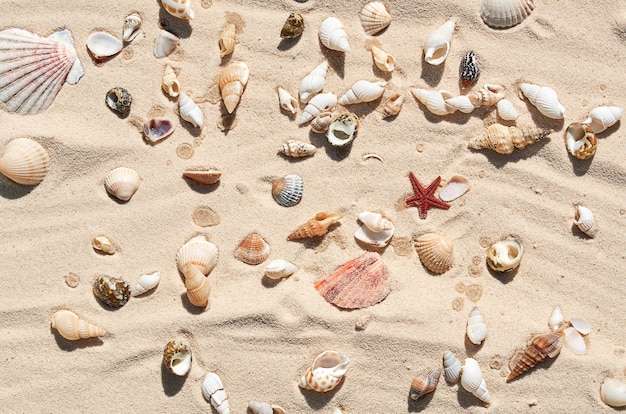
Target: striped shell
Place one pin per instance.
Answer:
(326, 372)
(146, 283)
(179, 8)
(24, 161)
(165, 44)
(434, 100)
(469, 69)
(204, 176)
(199, 252)
(504, 140)
(502, 14)
(315, 227)
(424, 383)
(333, 35)
(177, 357)
(435, 252)
(252, 250)
(321, 122)
(122, 183)
(506, 110)
(461, 103)
(227, 40)
(71, 327)
(197, 284)
(375, 17)
(287, 191)
(488, 95)
(580, 141)
(233, 80)
(544, 99)
(111, 290)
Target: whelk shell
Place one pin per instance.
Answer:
(197, 284)
(313, 83)
(469, 70)
(462, 103)
(613, 392)
(434, 100)
(71, 327)
(504, 140)
(580, 141)
(505, 255)
(131, 27)
(317, 226)
(424, 383)
(190, 111)
(179, 8)
(213, 391)
(252, 250)
(293, 27)
(119, 100)
(358, 283)
(502, 14)
(544, 99)
(506, 110)
(476, 327)
(363, 91)
(603, 117)
(375, 17)
(343, 129)
(112, 291)
(165, 44)
(321, 122)
(157, 129)
(326, 372)
(198, 252)
(228, 40)
(451, 367)
(297, 149)
(437, 44)
(233, 80)
(122, 183)
(472, 380)
(264, 408)
(103, 45)
(25, 161)
(205, 176)
(383, 60)
(435, 252)
(455, 187)
(393, 105)
(170, 83)
(280, 268)
(585, 221)
(145, 283)
(177, 357)
(286, 101)
(488, 95)
(103, 244)
(287, 191)
(541, 347)
(333, 35)
(323, 102)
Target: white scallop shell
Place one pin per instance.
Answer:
(434, 100)
(323, 102)
(264, 408)
(103, 45)
(574, 341)
(25, 161)
(451, 367)
(580, 325)
(190, 111)
(506, 110)
(585, 221)
(286, 101)
(333, 35)
(313, 83)
(165, 44)
(178, 8)
(544, 99)
(501, 14)
(603, 117)
(472, 380)
(213, 391)
(437, 44)
(197, 251)
(556, 318)
(131, 27)
(363, 91)
(460, 103)
(325, 372)
(280, 268)
(455, 187)
(383, 60)
(375, 17)
(122, 183)
(613, 392)
(476, 327)
(145, 283)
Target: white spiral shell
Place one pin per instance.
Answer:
(437, 44)
(476, 327)
(363, 91)
(286, 101)
(585, 221)
(461, 103)
(544, 99)
(145, 283)
(603, 117)
(190, 111)
(323, 102)
(506, 110)
(333, 35)
(213, 391)
(313, 83)
(472, 380)
(451, 367)
(434, 100)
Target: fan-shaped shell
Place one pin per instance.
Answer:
(197, 284)
(603, 117)
(24, 161)
(375, 17)
(469, 69)
(293, 27)
(333, 35)
(541, 347)
(506, 110)
(170, 83)
(383, 60)
(165, 44)
(252, 250)
(131, 27)
(343, 129)
(313, 82)
(317, 226)
(437, 44)
(179, 8)
(363, 91)
(297, 149)
(326, 371)
(580, 141)
(393, 105)
(424, 383)
(111, 290)
(145, 283)
(287, 191)
(455, 187)
(505, 255)
(204, 176)
(286, 101)
(544, 99)
(213, 391)
(199, 252)
(323, 102)
(177, 357)
(122, 183)
(71, 327)
(103, 45)
(476, 327)
(157, 129)
(190, 111)
(434, 100)
(280, 268)
(472, 380)
(233, 81)
(613, 392)
(488, 95)
(585, 221)
(33, 69)
(451, 367)
(435, 252)
(504, 140)
(227, 40)
(502, 14)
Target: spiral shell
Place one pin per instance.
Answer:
(375, 17)
(179, 8)
(544, 99)
(146, 283)
(603, 117)
(504, 140)
(197, 284)
(317, 226)
(204, 176)
(170, 83)
(613, 392)
(472, 380)
(323, 102)
(434, 100)
(502, 14)
(198, 251)
(297, 149)
(506, 110)
(227, 40)
(264, 408)
(435, 252)
(279, 268)
(505, 255)
(103, 244)
(363, 91)
(102, 45)
(393, 105)
(343, 129)
(424, 383)
(293, 27)
(383, 60)
(287, 191)
(119, 100)
(213, 391)
(122, 183)
(131, 27)
(461, 103)
(437, 44)
(580, 141)
(25, 161)
(165, 44)
(190, 111)
(585, 221)
(487, 96)
(541, 347)
(286, 101)
(252, 250)
(333, 35)
(71, 327)
(233, 80)
(326, 371)
(177, 357)
(469, 69)
(451, 367)
(313, 83)
(376, 231)
(112, 291)
(476, 327)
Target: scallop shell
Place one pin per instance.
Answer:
(190, 111)
(461, 103)
(424, 383)
(213, 391)
(343, 129)
(434, 100)
(317, 226)
(358, 283)
(321, 122)
(71, 327)
(613, 392)
(333, 35)
(556, 318)
(103, 244)
(197, 284)
(323, 102)
(603, 117)
(204, 176)
(131, 27)
(122, 183)
(179, 8)
(363, 91)
(177, 357)
(502, 14)
(313, 83)
(544, 99)
(157, 129)
(145, 283)
(119, 100)
(375, 17)
(435, 252)
(469, 69)
(286, 101)
(280, 268)
(287, 191)
(112, 291)
(383, 60)
(326, 372)
(233, 80)
(297, 149)
(293, 27)
(170, 83)
(580, 141)
(437, 44)
(103, 45)
(506, 110)
(227, 40)
(24, 161)
(487, 96)
(505, 255)
(472, 380)
(585, 221)
(476, 327)
(264, 408)
(451, 367)
(199, 252)
(393, 105)
(454, 188)
(252, 250)
(541, 347)
(504, 140)
(165, 44)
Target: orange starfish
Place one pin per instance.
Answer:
(424, 198)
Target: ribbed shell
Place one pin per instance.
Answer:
(177, 357)
(252, 250)
(233, 80)
(317, 226)
(451, 367)
(541, 347)
(146, 283)
(435, 252)
(393, 105)
(297, 149)
(313, 82)
(71, 327)
(476, 327)
(424, 383)
(502, 14)
(170, 83)
(165, 44)
(375, 17)
(506, 110)
(326, 371)
(585, 221)
(199, 252)
(112, 291)
(323, 102)
(603, 117)
(122, 183)
(333, 35)
(472, 380)
(287, 191)
(363, 91)
(179, 8)
(227, 40)
(580, 141)
(204, 176)
(504, 140)
(544, 99)
(190, 111)
(197, 284)
(280, 268)
(24, 161)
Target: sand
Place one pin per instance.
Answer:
(258, 336)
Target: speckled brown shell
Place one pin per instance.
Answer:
(294, 26)
(252, 250)
(111, 290)
(504, 140)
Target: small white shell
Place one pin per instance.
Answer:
(131, 27)
(190, 111)
(437, 44)
(506, 110)
(180, 9)
(603, 117)
(323, 102)
(501, 14)
(25, 161)
(585, 221)
(544, 99)
(434, 100)
(454, 188)
(460, 103)
(375, 221)
(580, 325)
(556, 318)
(165, 44)
(375, 17)
(363, 91)
(613, 392)
(333, 35)
(451, 367)
(297, 149)
(264, 408)
(476, 327)
(472, 380)
(145, 283)
(122, 183)
(103, 244)
(170, 83)
(213, 391)
(372, 238)
(574, 341)
(313, 83)
(199, 252)
(286, 101)
(383, 60)
(279, 268)
(103, 45)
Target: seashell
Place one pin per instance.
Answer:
(574, 341)
(165, 44)
(317, 226)
(454, 188)
(321, 122)
(461, 103)
(190, 111)
(103, 244)
(197, 284)
(119, 100)
(358, 283)
(383, 60)
(177, 357)
(580, 141)
(131, 27)
(343, 129)
(541, 347)
(333, 35)
(24, 161)
(544, 99)
(326, 371)
(265, 408)
(375, 221)
(613, 392)
(313, 83)
(323, 102)
(363, 91)
(293, 27)
(556, 318)
(505, 255)
(170, 83)
(502, 14)
(581, 326)
(287, 191)
(376, 231)
(476, 327)
(213, 391)
(279, 268)
(585, 221)
(179, 8)
(469, 69)
(33, 69)
(286, 101)
(198, 252)
(227, 40)
(157, 129)
(506, 110)
(205, 176)
(111, 290)
(233, 81)
(437, 44)
(504, 140)
(424, 383)
(472, 380)
(435, 252)
(252, 250)
(71, 327)
(145, 283)
(297, 149)
(375, 17)
(603, 117)
(122, 183)
(451, 367)
(103, 45)
(434, 100)
(487, 96)
(393, 105)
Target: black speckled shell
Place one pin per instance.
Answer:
(469, 71)
(112, 291)
(119, 100)
(294, 26)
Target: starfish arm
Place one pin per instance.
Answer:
(424, 198)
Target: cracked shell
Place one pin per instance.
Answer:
(505, 255)
(435, 252)
(177, 357)
(131, 27)
(111, 290)
(393, 105)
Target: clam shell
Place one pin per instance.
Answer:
(375, 17)
(177, 357)
(363, 91)
(119, 100)
(293, 27)
(476, 327)
(541, 347)
(190, 111)
(585, 221)
(435, 252)
(103, 244)
(170, 83)
(581, 326)
(157, 129)
(424, 383)
(505, 255)
(233, 81)
(472, 380)
(199, 252)
(103, 45)
(111, 290)
(580, 141)
(383, 60)
(502, 14)
(280, 268)
(343, 129)
(326, 372)
(227, 40)
(287, 191)
(24, 161)
(613, 392)
(556, 318)
(333, 35)
(544, 99)
(469, 69)
(504, 140)
(313, 83)
(506, 110)
(454, 188)
(71, 327)
(197, 284)
(131, 27)
(213, 391)
(323, 102)
(122, 183)
(393, 105)
(574, 341)
(437, 44)
(321, 122)
(146, 283)
(205, 176)
(317, 226)
(603, 117)
(297, 149)
(286, 101)
(434, 100)
(451, 367)
(179, 8)
(165, 44)
(252, 250)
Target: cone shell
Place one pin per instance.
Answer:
(286, 101)
(233, 80)
(103, 45)
(505, 255)
(424, 383)
(190, 111)
(375, 17)
(313, 82)
(177, 357)
(280, 268)
(24, 161)
(228, 40)
(213, 391)
(502, 14)
(472, 380)
(476, 327)
(613, 392)
(122, 183)
(343, 129)
(437, 44)
(297, 149)
(469, 69)
(544, 99)
(165, 44)
(489, 95)
(131, 27)
(157, 129)
(451, 367)
(506, 110)
(580, 141)
(333, 35)
(383, 60)
(197, 284)
(317, 226)
(287, 191)
(326, 372)
(603, 117)
(504, 140)
(585, 221)
(393, 105)
(146, 283)
(179, 8)
(205, 176)
(358, 283)
(293, 27)
(170, 83)
(198, 252)
(434, 100)
(112, 291)
(71, 327)
(541, 347)
(435, 252)
(363, 91)
(253, 250)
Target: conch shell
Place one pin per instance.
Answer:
(504, 140)
(233, 81)
(71, 327)
(317, 226)
(326, 372)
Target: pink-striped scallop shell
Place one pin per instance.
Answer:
(252, 250)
